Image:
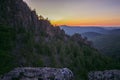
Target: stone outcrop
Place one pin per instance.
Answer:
(16, 13)
(105, 75)
(29, 73)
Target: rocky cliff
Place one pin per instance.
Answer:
(29, 73)
(17, 14)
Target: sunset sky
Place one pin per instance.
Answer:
(79, 12)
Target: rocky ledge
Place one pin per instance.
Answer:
(29, 73)
(104, 75)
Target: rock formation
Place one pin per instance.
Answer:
(17, 14)
(105, 75)
(29, 73)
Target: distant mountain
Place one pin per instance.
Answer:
(106, 40)
(72, 30)
(91, 35)
(114, 31)
(109, 43)
(112, 28)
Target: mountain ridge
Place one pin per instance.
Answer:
(80, 30)
(30, 40)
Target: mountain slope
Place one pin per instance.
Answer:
(91, 35)
(29, 40)
(108, 44)
(114, 31)
(106, 40)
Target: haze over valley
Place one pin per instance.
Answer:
(105, 39)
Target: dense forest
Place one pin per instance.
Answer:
(26, 39)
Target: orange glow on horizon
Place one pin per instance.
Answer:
(87, 22)
(79, 12)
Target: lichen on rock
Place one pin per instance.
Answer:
(29, 73)
(104, 75)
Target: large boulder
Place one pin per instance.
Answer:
(29, 73)
(104, 75)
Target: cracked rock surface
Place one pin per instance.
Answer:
(104, 75)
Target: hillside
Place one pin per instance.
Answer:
(108, 44)
(91, 35)
(106, 40)
(114, 31)
(30, 40)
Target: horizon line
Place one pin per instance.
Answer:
(88, 26)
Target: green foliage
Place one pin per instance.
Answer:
(6, 44)
(54, 52)
(109, 45)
